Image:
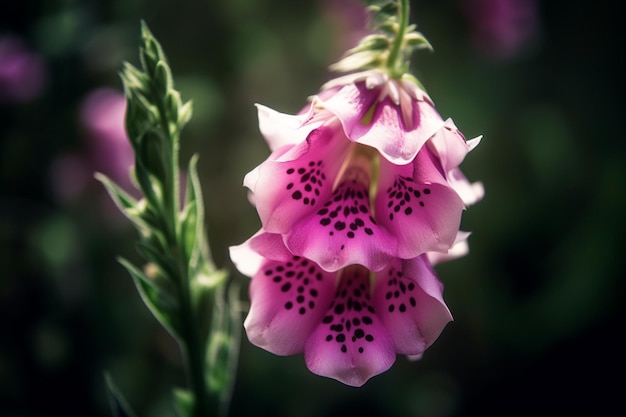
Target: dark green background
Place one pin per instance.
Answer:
(538, 304)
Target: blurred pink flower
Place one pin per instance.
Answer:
(106, 147)
(22, 71)
(102, 116)
(501, 27)
(347, 19)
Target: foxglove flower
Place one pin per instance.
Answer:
(350, 324)
(339, 201)
(361, 195)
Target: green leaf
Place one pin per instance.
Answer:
(184, 114)
(173, 103)
(164, 309)
(223, 344)
(145, 182)
(162, 78)
(150, 51)
(416, 40)
(201, 253)
(184, 402)
(128, 205)
(165, 263)
(188, 226)
(356, 61)
(117, 402)
(372, 43)
(134, 78)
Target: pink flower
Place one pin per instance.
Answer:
(346, 19)
(350, 324)
(22, 71)
(106, 147)
(102, 115)
(502, 27)
(394, 116)
(350, 181)
(360, 196)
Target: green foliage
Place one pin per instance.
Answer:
(390, 48)
(178, 283)
(119, 405)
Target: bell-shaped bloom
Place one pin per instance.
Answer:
(338, 202)
(394, 116)
(349, 324)
(360, 196)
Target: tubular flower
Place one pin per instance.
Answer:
(361, 195)
(350, 324)
(394, 116)
(337, 202)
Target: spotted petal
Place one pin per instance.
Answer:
(290, 185)
(288, 300)
(409, 301)
(417, 207)
(343, 232)
(351, 343)
(383, 124)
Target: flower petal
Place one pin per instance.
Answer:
(288, 299)
(385, 129)
(246, 260)
(350, 344)
(421, 211)
(449, 145)
(408, 299)
(292, 184)
(250, 255)
(469, 192)
(280, 129)
(459, 248)
(343, 232)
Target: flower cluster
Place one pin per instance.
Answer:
(360, 197)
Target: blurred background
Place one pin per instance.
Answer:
(538, 304)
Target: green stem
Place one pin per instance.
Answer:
(192, 349)
(170, 194)
(394, 62)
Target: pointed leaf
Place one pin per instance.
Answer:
(165, 264)
(162, 78)
(184, 114)
(223, 346)
(417, 40)
(187, 220)
(173, 103)
(117, 402)
(128, 205)
(184, 402)
(201, 253)
(166, 311)
(145, 183)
